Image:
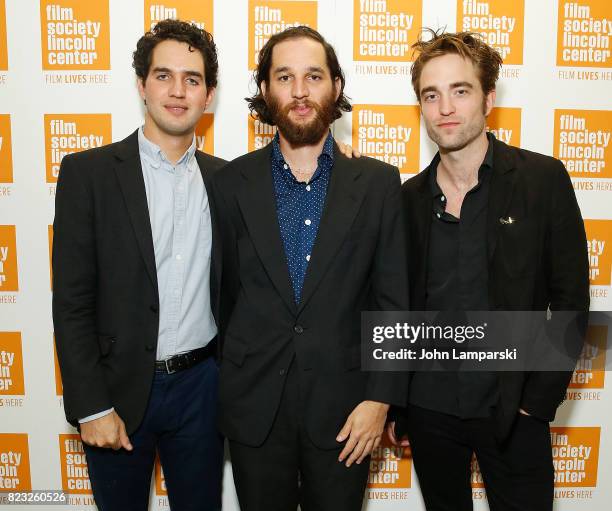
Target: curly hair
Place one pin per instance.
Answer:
(183, 32)
(257, 103)
(468, 45)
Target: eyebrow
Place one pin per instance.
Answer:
(188, 72)
(454, 85)
(311, 69)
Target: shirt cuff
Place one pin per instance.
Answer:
(95, 416)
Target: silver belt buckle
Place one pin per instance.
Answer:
(167, 368)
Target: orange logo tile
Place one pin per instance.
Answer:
(582, 142)
(590, 369)
(259, 133)
(575, 453)
(59, 388)
(198, 13)
(75, 475)
(390, 133)
(500, 22)
(11, 364)
(160, 480)
(390, 466)
(6, 151)
(8, 259)
(205, 133)
(14, 462)
(3, 45)
(71, 133)
(268, 17)
(75, 35)
(505, 124)
(599, 245)
(384, 30)
(583, 33)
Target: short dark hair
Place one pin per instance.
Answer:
(257, 103)
(183, 32)
(468, 45)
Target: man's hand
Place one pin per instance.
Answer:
(402, 442)
(348, 150)
(523, 412)
(107, 431)
(363, 428)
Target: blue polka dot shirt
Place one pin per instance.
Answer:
(299, 207)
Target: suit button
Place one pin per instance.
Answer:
(154, 308)
(298, 329)
(149, 347)
(281, 372)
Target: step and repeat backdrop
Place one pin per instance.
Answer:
(66, 85)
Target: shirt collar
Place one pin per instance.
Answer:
(487, 163)
(278, 158)
(156, 156)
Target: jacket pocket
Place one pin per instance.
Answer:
(235, 350)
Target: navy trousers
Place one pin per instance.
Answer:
(180, 423)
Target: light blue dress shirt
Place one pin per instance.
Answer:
(182, 240)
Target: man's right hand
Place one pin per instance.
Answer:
(403, 442)
(107, 431)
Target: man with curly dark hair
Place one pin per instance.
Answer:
(310, 239)
(136, 292)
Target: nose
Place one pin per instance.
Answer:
(177, 88)
(446, 105)
(300, 88)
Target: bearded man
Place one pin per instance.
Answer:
(310, 238)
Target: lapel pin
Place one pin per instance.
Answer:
(507, 221)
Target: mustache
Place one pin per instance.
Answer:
(297, 103)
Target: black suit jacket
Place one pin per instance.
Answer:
(105, 296)
(537, 262)
(358, 263)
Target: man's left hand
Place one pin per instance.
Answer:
(363, 428)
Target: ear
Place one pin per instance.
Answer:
(489, 102)
(337, 87)
(210, 95)
(264, 88)
(141, 88)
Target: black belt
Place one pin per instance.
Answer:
(186, 360)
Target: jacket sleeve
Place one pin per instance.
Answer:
(390, 288)
(74, 295)
(568, 278)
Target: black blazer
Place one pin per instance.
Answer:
(105, 296)
(537, 262)
(358, 263)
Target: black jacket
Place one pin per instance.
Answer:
(105, 296)
(536, 262)
(358, 263)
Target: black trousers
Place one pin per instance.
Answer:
(518, 476)
(288, 469)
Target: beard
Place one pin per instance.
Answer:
(306, 133)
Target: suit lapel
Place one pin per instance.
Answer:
(258, 205)
(129, 174)
(215, 253)
(500, 192)
(344, 197)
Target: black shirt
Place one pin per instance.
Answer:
(457, 280)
